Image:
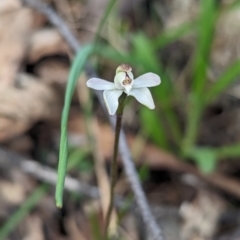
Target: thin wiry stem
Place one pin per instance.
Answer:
(130, 170)
(113, 178)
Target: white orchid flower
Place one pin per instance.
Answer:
(124, 82)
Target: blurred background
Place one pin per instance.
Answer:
(186, 151)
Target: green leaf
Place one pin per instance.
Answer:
(206, 25)
(144, 52)
(153, 127)
(231, 151)
(221, 84)
(206, 158)
(75, 71)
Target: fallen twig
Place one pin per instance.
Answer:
(10, 159)
(44, 173)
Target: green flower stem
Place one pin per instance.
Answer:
(113, 178)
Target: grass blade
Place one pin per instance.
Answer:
(227, 78)
(76, 69)
(155, 130)
(169, 36)
(108, 9)
(232, 151)
(206, 26)
(22, 212)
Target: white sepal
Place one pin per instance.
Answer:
(144, 96)
(147, 80)
(100, 84)
(111, 100)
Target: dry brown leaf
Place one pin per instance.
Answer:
(12, 193)
(46, 42)
(91, 19)
(103, 181)
(10, 5)
(23, 106)
(15, 29)
(226, 45)
(200, 217)
(52, 71)
(180, 13)
(74, 231)
(22, 144)
(14, 187)
(34, 225)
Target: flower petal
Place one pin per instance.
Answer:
(100, 84)
(144, 96)
(147, 80)
(111, 100)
